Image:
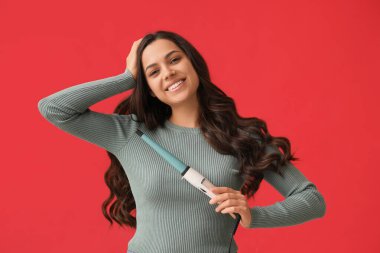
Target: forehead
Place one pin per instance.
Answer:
(157, 50)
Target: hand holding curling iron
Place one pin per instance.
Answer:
(232, 201)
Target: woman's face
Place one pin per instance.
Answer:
(164, 64)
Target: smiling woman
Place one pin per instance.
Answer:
(173, 80)
(175, 103)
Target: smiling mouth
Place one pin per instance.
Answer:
(183, 80)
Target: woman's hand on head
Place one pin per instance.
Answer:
(132, 58)
(232, 201)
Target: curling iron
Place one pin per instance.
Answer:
(189, 174)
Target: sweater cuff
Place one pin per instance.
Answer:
(257, 217)
(131, 82)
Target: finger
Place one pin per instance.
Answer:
(136, 42)
(229, 203)
(232, 210)
(222, 189)
(225, 196)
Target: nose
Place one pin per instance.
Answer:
(169, 72)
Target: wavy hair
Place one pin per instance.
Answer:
(223, 128)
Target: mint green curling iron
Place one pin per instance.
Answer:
(188, 173)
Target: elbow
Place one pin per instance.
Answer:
(43, 107)
(54, 113)
(323, 207)
(319, 205)
(315, 201)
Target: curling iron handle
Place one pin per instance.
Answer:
(198, 181)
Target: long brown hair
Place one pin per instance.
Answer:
(224, 129)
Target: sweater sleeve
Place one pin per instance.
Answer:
(303, 202)
(69, 110)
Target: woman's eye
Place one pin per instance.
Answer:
(152, 73)
(175, 59)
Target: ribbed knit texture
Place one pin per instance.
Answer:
(172, 215)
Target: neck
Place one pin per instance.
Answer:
(186, 115)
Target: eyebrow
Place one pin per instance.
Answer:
(166, 56)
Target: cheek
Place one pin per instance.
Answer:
(193, 73)
(194, 78)
(153, 87)
(150, 84)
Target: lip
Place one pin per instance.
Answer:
(167, 87)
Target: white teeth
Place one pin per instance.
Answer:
(175, 85)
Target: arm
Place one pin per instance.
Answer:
(303, 201)
(69, 110)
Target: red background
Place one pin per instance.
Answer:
(310, 69)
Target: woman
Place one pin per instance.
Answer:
(175, 103)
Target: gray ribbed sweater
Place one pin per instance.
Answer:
(172, 215)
